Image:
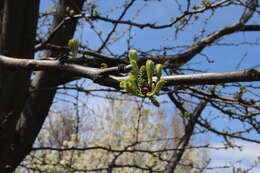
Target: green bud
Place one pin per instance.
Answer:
(135, 69)
(95, 13)
(71, 12)
(140, 82)
(157, 88)
(103, 65)
(132, 77)
(132, 88)
(141, 76)
(149, 70)
(153, 86)
(159, 68)
(187, 114)
(74, 46)
(132, 55)
(123, 84)
(142, 71)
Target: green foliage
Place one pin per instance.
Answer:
(93, 11)
(74, 47)
(149, 70)
(156, 89)
(103, 65)
(70, 12)
(159, 68)
(206, 3)
(140, 82)
(132, 55)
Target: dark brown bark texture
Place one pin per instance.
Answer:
(21, 117)
(18, 21)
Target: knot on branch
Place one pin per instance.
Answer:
(31, 65)
(253, 73)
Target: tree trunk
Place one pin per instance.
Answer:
(17, 38)
(38, 103)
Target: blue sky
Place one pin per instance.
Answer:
(247, 155)
(225, 58)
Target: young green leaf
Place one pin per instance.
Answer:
(132, 55)
(141, 79)
(157, 88)
(149, 70)
(74, 47)
(135, 69)
(159, 68)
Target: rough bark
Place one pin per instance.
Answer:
(38, 103)
(18, 21)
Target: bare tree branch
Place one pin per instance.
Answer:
(245, 75)
(177, 155)
(249, 11)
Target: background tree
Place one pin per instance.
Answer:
(35, 38)
(122, 140)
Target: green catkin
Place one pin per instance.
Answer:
(123, 84)
(159, 86)
(74, 47)
(140, 82)
(159, 68)
(132, 88)
(149, 70)
(135, 69)
(132, 54)
(141, 79)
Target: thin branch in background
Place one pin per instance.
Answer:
(176, 156)
(240, 62)
(115, 26)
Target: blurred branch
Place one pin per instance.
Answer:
(176, 156)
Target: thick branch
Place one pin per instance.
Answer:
(212, 78)
(95, 74)
(47, 65)
(245, 75)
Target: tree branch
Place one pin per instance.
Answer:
(212, 78)
(102, 76)
(177, 155)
